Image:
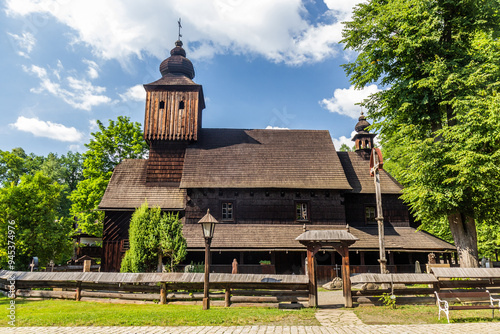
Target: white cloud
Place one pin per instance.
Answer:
(277, 30)
(135, 93)
(93, 125)
(23, 43)
(47, 129)
(344, 100)
(78, 93)
(93, 70)
(270, 127)
(337, 142)
(74, 148)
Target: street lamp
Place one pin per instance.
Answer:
(208, 225)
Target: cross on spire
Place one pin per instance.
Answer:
(180, 26)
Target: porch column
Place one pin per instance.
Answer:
(311, 273)
(346, 274)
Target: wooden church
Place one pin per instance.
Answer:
(263, 186)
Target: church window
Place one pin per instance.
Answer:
(181, 105)
(162, 105)
(302, 211)
(370, 214)
(227, 211)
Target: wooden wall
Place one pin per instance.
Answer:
(166, 160)
(116, 224)
(262, 206)
(394, 210)
(165, 120)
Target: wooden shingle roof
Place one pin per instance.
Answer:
(127, 189)
(236, 158)
(357, 171)
(283, 237)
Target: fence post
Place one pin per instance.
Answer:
(78, 294)
(163, 293)
(86, 266)
(227, 297)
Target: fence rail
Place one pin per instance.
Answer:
(232, 289)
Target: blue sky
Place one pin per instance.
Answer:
(67, 63)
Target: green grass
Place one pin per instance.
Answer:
(72, 313)
(419, 314)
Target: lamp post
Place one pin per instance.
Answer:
(208, 225)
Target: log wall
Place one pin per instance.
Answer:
(261, 206)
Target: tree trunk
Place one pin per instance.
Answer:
(160, 263)
(463, 229)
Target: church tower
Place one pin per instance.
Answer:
(363, 139)
(173, 116)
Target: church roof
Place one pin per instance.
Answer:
(283, 237)
(236, 158)
(127, 189)
(357, 171)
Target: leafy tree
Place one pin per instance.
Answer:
(17, 163)
(438, 116)
(120, 140)
(34, 206)
(153, 235)
(65, 170)
(171, 241)
(346, 148)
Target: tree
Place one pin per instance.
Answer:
(33, 206)
(108, 147)
(438, 117)
(17, 163)
(153, 235)
(346, 148)
(172, 243)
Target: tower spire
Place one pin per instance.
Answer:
(363, 138)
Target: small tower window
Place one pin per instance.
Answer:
(162, 104)
(181, 105)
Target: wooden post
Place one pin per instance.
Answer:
(227, 297)
(374, 171)
(86, 266)
(311, 272)
(362, 258)
(78, 294)
(343, 250)
(206, 298)
(163, 293)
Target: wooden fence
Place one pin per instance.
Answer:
(419, 288)
(231, 289)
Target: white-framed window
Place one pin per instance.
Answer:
(227, 211)
(302, 211)
(370, 215)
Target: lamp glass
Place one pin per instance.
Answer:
(208, 230)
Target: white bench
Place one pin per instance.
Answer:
(445, 298)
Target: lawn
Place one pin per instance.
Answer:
(418, 314)
(72, 313)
